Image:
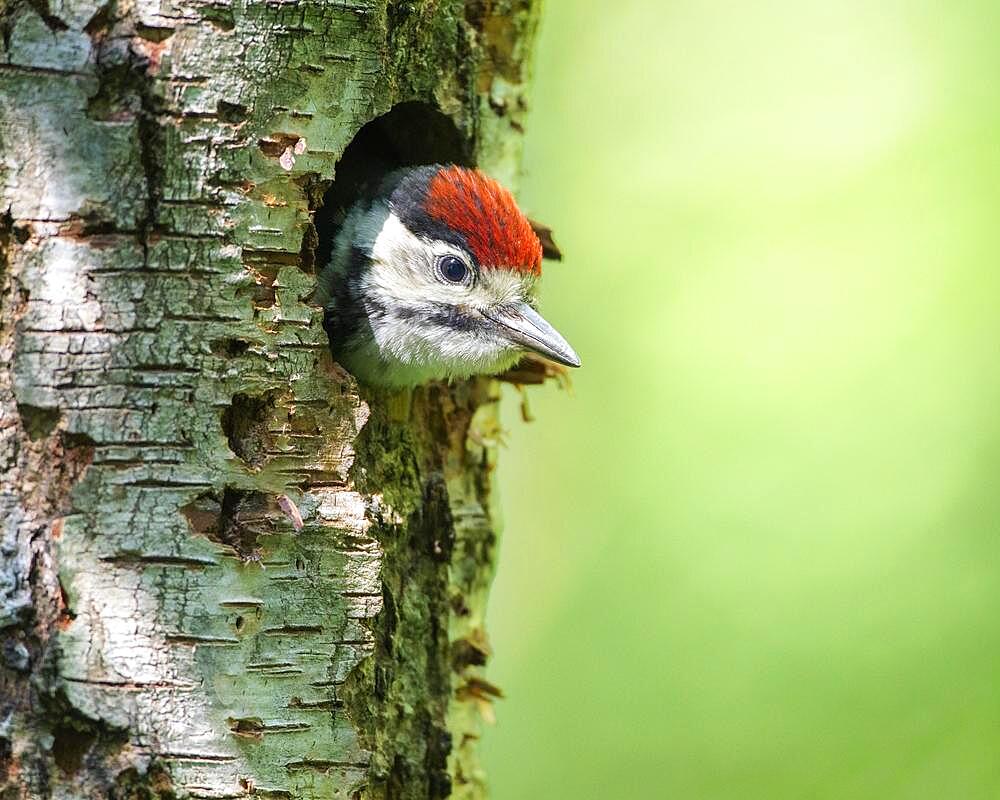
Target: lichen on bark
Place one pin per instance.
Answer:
(225, 569)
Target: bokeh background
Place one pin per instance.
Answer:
(757, 553)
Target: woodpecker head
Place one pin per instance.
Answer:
(434, 277)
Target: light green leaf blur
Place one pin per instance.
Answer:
(757, 553)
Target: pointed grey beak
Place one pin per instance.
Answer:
(520, 323)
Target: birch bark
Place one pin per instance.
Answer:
(168, 408)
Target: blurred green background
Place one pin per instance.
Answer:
(756, 554)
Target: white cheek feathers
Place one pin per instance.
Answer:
(433, 279)
(419, 327)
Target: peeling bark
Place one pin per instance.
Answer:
(225, 569)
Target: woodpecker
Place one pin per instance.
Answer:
(432, 276)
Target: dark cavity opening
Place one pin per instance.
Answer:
(234, 517)
(69, 746)
(38, 422)
(244, 422)
(408, 135)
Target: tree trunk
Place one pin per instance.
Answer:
(225, 569)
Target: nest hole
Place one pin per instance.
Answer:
(408, 135)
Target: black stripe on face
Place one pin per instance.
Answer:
(456, 318)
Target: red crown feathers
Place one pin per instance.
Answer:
(485, 213)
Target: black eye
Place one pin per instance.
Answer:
(453, 269)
